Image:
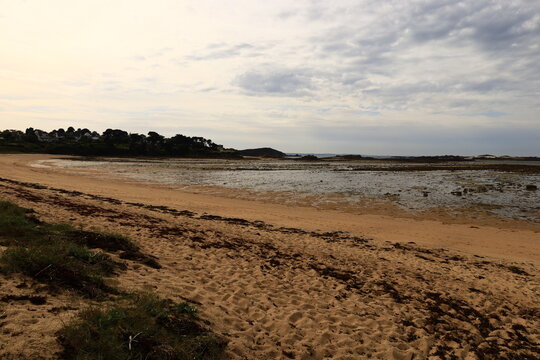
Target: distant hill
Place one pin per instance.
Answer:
(262, 152)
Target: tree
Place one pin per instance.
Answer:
(154, 137)
(70, 133)
(137, 144)
(30, 135)
(116, 136)
(6, 135)
(112, 142)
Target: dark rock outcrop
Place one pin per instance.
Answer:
(263, 152)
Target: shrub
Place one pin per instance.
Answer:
(62, 265)
(143, 327)
(16, 223)
(47, 253)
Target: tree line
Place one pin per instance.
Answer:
(112, 142)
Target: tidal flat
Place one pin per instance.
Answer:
(505, 189)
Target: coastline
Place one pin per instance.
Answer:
(297, 282)
(486, 235)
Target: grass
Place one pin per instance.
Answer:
(62, 265)
(19, 227)
(16, 223)
(52, 253)
(142, 327)
(133, 327)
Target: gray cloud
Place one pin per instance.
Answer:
(414, 54)
(490, 85)
(489, 114)
(503, 35)
(275, 82)
(447, 88)
(493, 24)
(224, 51)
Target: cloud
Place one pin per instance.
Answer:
(493, 114)
(491, 24)
(422, 47)
(309, 69)
(223, 51)
(275, 82)
(490, 85)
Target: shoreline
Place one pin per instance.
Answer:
(293, 282)
(469, 232)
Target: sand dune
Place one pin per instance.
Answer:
(282, 282)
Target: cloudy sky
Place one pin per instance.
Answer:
(363, 76)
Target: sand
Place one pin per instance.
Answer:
(292, 282)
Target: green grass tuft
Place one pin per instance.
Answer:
(62, 265)
(53, 253)
(16, 223)
(144, 327)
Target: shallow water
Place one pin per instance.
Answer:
(498, 192)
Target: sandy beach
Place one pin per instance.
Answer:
(281, 281)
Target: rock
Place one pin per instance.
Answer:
(263, 152)
(309, 158)
(457, 193)
(531, 187)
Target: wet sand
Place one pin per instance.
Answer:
(293, 282)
